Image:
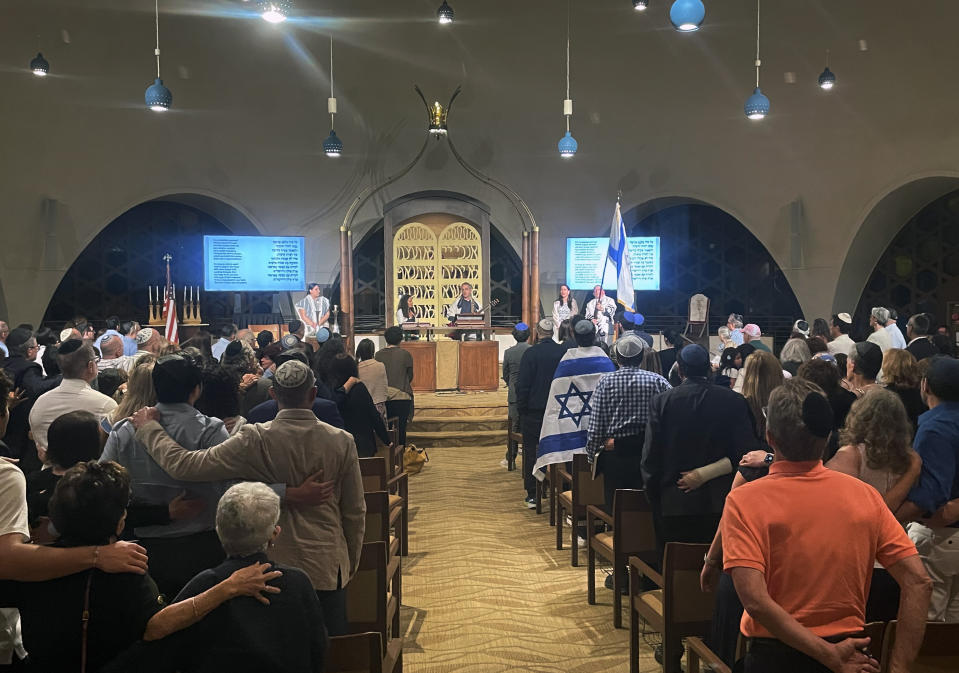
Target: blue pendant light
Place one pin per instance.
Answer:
(445, 13)
(640, 5)
(158, 98)
(687, 15)
(332, 146)
(567, 144)
(827, 80)
(757, 105)
(275, 11)
(40, 66)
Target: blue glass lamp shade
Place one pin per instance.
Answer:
(687, 15)
(40, 66)
(333, 146)
(567, 146)
(445, 13)
(827, 80)
(158, 98)
(757, 105)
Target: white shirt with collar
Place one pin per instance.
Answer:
(841, 344)
(70, 395)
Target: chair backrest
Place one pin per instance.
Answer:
(366, 592)
(377, 517)
(698, 309)
(356, 653)
(687, 609)
(939, 652)
(586, 490)
(374, 473)
(633, 522)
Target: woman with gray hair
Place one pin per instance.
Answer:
(795, 352)
(286, 635)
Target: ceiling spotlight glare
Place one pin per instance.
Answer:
(827, 80)
(445, 13)
(640, 5)
(40, 66)
(274, 11)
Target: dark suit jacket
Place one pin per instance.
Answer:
(692, 425)
(325, 410)
(536, 371)
(922, 348)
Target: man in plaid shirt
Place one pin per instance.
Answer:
(617, 422)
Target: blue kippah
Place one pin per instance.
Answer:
(521, 327)
(694, 356)
(638, 319)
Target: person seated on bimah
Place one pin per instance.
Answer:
(406, 313)
(313, 309)
(465, 304)
(600, 310)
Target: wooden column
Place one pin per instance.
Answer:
(346, 286)
(525, 315)
(534, 275)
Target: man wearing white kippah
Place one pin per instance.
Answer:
(324, 541)
(839, 331)
(148, 343)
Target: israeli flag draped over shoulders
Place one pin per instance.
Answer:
(618, 256)
(567, 408)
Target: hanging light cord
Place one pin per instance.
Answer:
(568, 11)
(758, 62)
(331, 80)
(156, 8)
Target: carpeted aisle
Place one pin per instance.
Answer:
(484, 587)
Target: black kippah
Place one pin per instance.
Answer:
(234, 348)
(69, 346)
(817, 415)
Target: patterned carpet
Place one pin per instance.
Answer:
(485, 589)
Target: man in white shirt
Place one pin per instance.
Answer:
(895, 334)
(839, 331)
(313, 310)
(601, 309)
(878, 318)
(111, 354)
(227, 334)
(78, 362)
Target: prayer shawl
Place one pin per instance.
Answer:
(567, 407)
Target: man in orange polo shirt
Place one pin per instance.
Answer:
(800, 546)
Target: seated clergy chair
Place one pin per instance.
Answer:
(377, 477)
(632, 534)
(939, 652)
(371, 606)
(697, 322)
(584, 491)
(678, 609)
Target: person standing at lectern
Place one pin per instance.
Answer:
(465, 304)
(406, 312)
(313, 309)
(601, 309)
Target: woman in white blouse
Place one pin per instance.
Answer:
(406, 311)
(563, 308)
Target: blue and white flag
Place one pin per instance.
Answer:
(618, 257)
(567, 407)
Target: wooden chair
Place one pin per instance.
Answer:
(377, 477)
(632, 534)
(356, 653)
(274, 329)
(378, 530)
(939, 652)
(678, 609)
(697, 322)
(370, 606)
(584, 491)
(696, 652)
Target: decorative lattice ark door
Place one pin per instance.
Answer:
(415, 269)
(461, 261)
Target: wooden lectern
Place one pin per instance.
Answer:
(479, 365)
(424, 364)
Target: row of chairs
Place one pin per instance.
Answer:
(375, 593)
(677, 609)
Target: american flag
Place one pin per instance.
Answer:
(169, 314)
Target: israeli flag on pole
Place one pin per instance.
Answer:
(618, 256)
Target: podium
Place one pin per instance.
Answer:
(479, 365)
(424, 364)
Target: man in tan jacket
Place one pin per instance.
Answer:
(324, 541)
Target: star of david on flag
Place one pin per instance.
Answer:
(564, 402)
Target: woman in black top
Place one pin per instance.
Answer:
(360, 416)
(88, 508)
(900, 374)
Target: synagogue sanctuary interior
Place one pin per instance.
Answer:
(465, 337)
